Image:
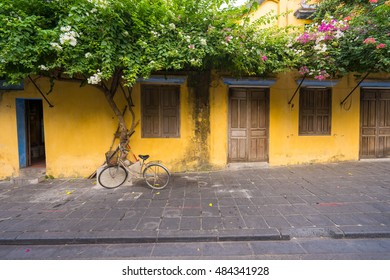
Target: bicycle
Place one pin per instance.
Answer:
(155, 174)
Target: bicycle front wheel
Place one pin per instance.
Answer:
(112, 177)
(156, 176)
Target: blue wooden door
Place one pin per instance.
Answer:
(21, 128)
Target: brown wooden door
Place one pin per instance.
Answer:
(375, 123)
(248, 125)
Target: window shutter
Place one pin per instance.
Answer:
(170, 111)
(150, 112)
(307, 112)
(315, 111)
(323, 109)
(160, 111)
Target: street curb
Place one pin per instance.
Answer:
(132, 240)
(353, 232)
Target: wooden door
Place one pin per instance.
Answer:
(375, 123)
(248, 125)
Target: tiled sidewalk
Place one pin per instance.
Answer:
(341, 200)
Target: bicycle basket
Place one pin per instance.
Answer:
(112, 157)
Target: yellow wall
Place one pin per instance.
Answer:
(79, 129)
(284, 8)
(287, 147)
(178, 154)
(218, 124)
(9, 162)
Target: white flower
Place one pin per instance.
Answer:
(187, 38)
(339, 34)
(172, 26)
(95, 78)
(99, 3)
(65, 28)
(319, 39)
(94, 10)
(88, 54)
(43, 67)
(195, 62)
(320, 48)
(155, 34)
(203, 42)
(68, 37)
(56, 46)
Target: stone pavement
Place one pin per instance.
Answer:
(338, 200)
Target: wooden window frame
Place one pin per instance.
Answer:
(157, 112)
(319, 113)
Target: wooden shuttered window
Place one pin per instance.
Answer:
(160, 111)
(315, 111)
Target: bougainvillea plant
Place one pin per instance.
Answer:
(346, 36)
(111, 43)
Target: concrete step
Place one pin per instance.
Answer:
(29, 176)
(246, 165)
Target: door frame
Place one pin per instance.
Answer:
(23, 131)
(377, 108)
(267, 114)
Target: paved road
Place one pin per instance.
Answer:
(295, 249)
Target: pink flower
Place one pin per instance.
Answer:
(305, 38)
(322, 76)
(325, 27)
(381, 46)
(303, 70)
(264, 57)
(191, 47)
(228, 38)
(369, 40)
(373, 1)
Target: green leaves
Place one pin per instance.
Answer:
(96, 39)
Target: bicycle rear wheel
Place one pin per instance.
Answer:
(156, 176)
(112, 177)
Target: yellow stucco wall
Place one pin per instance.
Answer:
(284, 8)
(9, 162)
(176, 153)
(79, 129)
(288, 147)
(218, 124)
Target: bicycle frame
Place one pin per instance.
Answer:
(136, 168)
(118, 168)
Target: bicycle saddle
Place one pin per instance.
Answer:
(144, 157)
